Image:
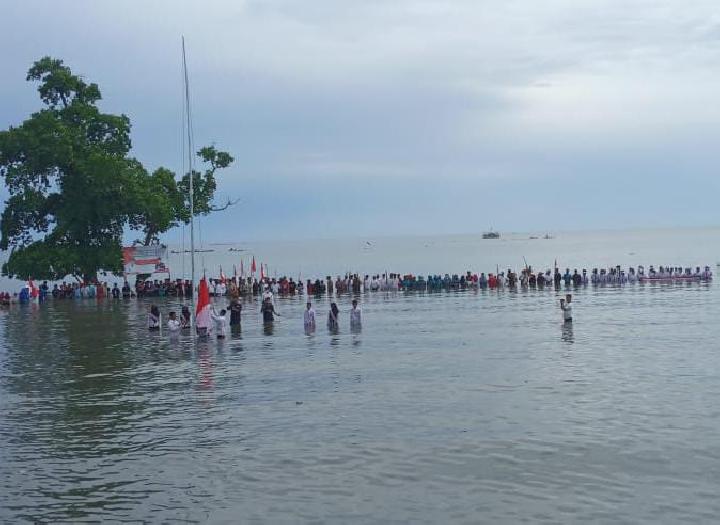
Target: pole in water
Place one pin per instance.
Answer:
(192, 191)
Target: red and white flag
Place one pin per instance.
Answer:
(202, 313)
(34, 291)
(262, 273)
(222, 276)
(253, 268)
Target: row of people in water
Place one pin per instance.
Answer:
(353, 283)
(218, 322)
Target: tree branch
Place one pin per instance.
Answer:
(225, 206)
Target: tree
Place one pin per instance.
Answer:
(70, 181)
(168, 203)
(74, 188)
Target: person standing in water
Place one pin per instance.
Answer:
(235, 312)
(268, 311)
(309, 317)
(220, 323)
(153, 318)
(333, 315)
(355, 316)
(566, 307)
(185, 317)
(173, 325)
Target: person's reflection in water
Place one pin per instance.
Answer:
(206, 366)
(269, 328)
(567, 333)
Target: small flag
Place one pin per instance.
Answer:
(222, 276)
(242, 269)
(253, 268)
(262, 273)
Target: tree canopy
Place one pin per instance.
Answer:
(74, 188)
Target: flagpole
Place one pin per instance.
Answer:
(192, 192)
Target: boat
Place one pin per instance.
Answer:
(207, 250)
(548, 236)
(532, 237)
(491, 235)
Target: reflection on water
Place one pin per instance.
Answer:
(446, 407)
(269, 328)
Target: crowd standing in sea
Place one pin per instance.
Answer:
(354, 283)
(238, 287)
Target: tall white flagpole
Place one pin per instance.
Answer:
(192, 191)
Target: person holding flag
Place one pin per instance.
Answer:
(33, 292)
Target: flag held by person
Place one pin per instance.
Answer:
(202, 312)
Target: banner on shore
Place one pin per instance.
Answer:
(145, 259)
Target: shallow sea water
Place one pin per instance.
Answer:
(453, 407)
(460, 407)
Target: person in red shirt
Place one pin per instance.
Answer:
(492, 281)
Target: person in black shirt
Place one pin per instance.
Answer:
(185, 317)
(576, 278)
(235, 311)
(268, 311)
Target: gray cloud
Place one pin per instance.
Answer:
(323, 99)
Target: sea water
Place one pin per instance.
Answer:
(463, 407)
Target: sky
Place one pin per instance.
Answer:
(375, 117)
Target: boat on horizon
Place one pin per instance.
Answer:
(193, 251)
(491, 235)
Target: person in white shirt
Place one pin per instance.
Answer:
(374, 285)
(220, 323)
(173, 325)
(267, 294)
(355, 315)
(309, 317)
(566, 307)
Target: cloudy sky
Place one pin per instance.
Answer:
(407, 116)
